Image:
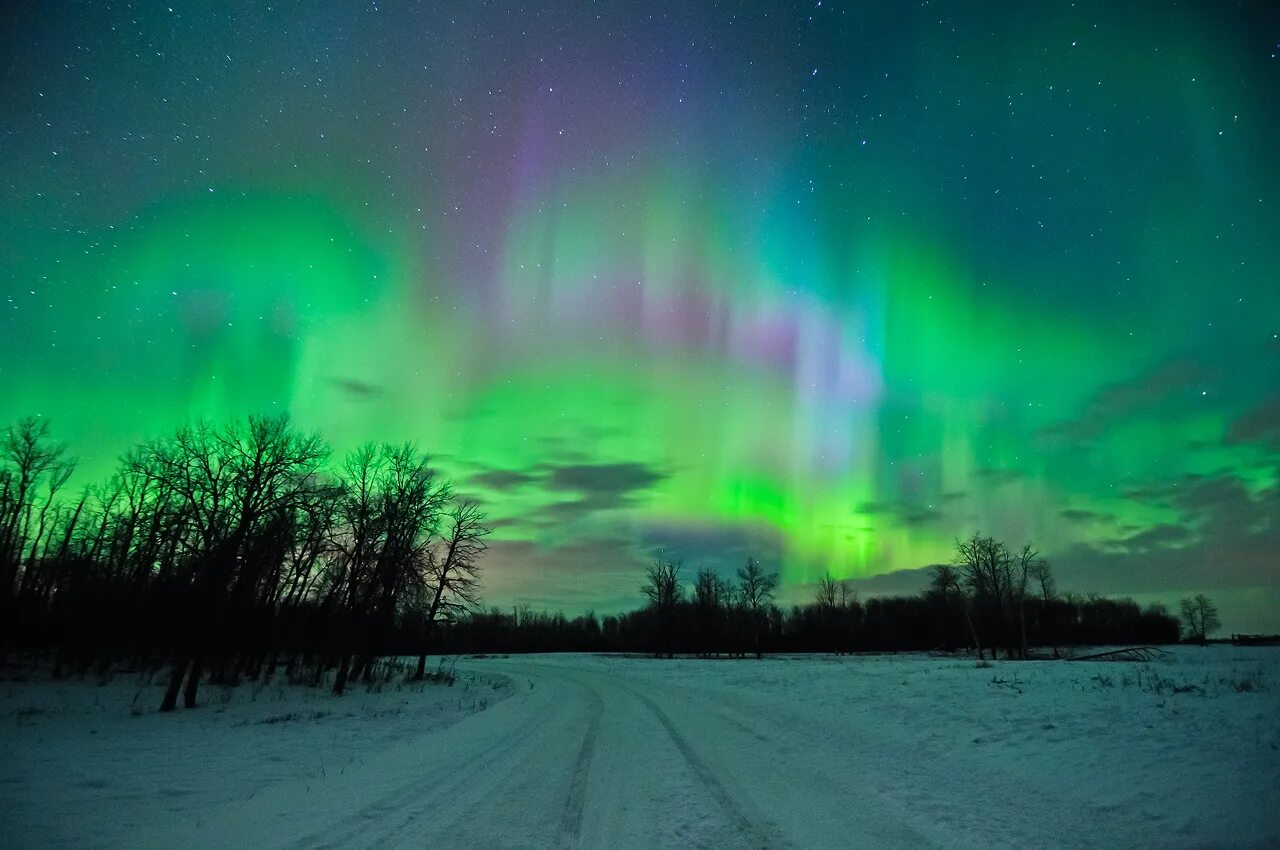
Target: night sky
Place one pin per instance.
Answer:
(830, 283)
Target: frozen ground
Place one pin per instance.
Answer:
(596, 751)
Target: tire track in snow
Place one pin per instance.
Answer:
(439, 791)
(889, 830)
(759, 835)
(571, 822)
(472, 790)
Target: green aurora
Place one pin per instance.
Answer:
(830, 284)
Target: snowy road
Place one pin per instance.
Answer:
(584, 757)
(599, 751)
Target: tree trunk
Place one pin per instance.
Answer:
(193, 683)
(1022, 618)
(344, 670)
(977, 644)
(170, 701)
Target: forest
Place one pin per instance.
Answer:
(243, 551)
(987, 606)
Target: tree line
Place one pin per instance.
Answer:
(991, 600)
(227, 551)
(237, 551)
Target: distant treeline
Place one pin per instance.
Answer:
(228, 551)
(242, 551)
(983, 604)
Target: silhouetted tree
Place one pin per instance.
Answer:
(227, 482)
(944, 587)
(451, 576)
(29, 460)
(996, 581)
(710, 598)
(392, 512)
(224, 548)
(1199, 617)
(1026, 564)
(755, 592)
(662, 587)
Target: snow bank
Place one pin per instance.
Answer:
(87, 763)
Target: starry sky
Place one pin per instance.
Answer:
(829, 283)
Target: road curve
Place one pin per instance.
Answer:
(582, 755)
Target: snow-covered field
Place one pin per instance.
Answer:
(600, 751)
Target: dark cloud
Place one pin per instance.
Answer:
(920, 516)
(602, 478)
(717, 547)
(601, 487)
(997, 477)
(597, 486)
(898, 582)
(1208, 502)
(505, 522)
(358, 389)
(603, 573)
(904, 513)
(1259, 425)
(1208, 564)
(501, 479)
(1148, 393)
(576, 509)
(1147, 494)
(1226, 537)
(1077, 515)
(1156, 537)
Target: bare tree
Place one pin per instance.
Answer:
(27, 457)
(392, 512)
(708, 602)
(755, 592)
(1027, 564)
(982, 564)
(662, 587)
(1199, 617)
(828, 594)
(944, 585)
(1043, 576)
(228, 482)
(452, 574)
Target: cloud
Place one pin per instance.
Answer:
(920, 516)
(1260, 425)
(501, 479)
(358, 389)
(618, 479)
(1156, 537)
(717, 547)
(903, 513)
(600, 487)
(595, 487)
(1225, 537)
(601, 572)
(997, 477)
(896, 583)
(1145, 394)
(1078, 515)
(1214, 503)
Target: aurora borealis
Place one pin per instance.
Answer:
(831, 283)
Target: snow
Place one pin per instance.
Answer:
(594, 751)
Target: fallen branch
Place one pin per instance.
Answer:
(1132, 653)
